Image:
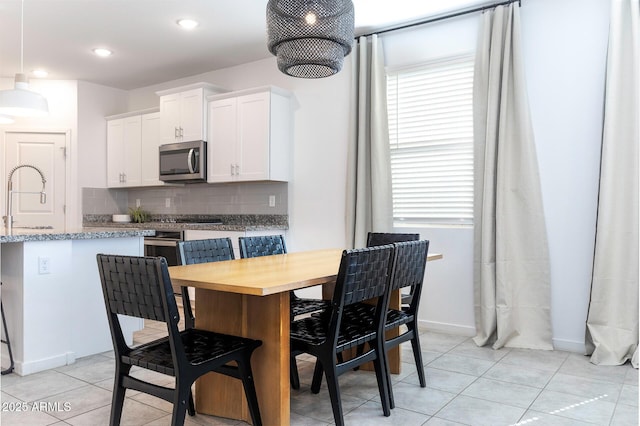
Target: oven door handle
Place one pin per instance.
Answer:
(161, 242)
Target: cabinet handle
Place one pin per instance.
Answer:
(181, 132)
(237, 169)
(232, 170)
(124, 178)
(176, 134)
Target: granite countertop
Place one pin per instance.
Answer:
(22, 234)
(185, 222)
(185, 226)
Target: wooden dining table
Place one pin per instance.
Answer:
(250, 298)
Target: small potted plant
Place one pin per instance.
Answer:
(138, 215)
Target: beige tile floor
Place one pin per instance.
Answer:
(466, 385)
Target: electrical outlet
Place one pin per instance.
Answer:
(137, 202)
(167, 202)
(44, 265)
(272, 200)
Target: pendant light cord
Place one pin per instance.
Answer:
(22, 38)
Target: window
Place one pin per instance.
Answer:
(431, 137)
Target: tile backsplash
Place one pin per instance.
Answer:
(205, 199)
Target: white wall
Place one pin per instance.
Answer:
(565, 45)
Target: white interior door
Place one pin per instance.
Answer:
(46, 151)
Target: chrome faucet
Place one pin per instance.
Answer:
(8, 219)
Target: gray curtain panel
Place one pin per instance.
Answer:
(612, 324)
(511, 258)
(369, 201)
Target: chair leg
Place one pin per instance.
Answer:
(244, 365)
(387, 372)
(8, 342)
(117, 398)
(381, 367)
(180, 403)
(317, 377)
(334, 393)
(191, 409)
(417, 356)
(293, 372)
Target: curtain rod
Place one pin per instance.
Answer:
(442, 17)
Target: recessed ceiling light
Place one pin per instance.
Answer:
(188, 24)
(40, 73)
(102, 52)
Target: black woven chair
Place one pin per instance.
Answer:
(408, 270)
(200, 251)
(382, 238)
(364, 274)
(140, 287)
(267, 246)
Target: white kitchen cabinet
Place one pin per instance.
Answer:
(132, 150)
(150, 141)
(123, 151)
(183, 112)
(249, 136)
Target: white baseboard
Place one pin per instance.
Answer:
(569, 346)
(464, 330)
(441, 327)
(25, 368)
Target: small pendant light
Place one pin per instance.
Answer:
(20, 101)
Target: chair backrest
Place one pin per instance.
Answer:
(364, 274)
(410, 263)
(262, 246)
(382, 238)
(138, 287)
(203, 251)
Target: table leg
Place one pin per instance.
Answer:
(258, 317)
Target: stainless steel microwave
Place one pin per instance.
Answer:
(183, 162)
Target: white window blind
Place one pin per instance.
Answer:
(431, 137)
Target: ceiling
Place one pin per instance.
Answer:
(149, 47)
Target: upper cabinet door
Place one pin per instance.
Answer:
(170, 118)
(123, 152)
(150, 164)
(115, 147)
(183, 112)
(192, 113)
(222, 140)
(252, 150)
(131, 153)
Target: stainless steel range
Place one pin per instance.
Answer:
(166, 240)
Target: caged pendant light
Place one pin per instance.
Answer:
(310, 38)
(20, 101)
